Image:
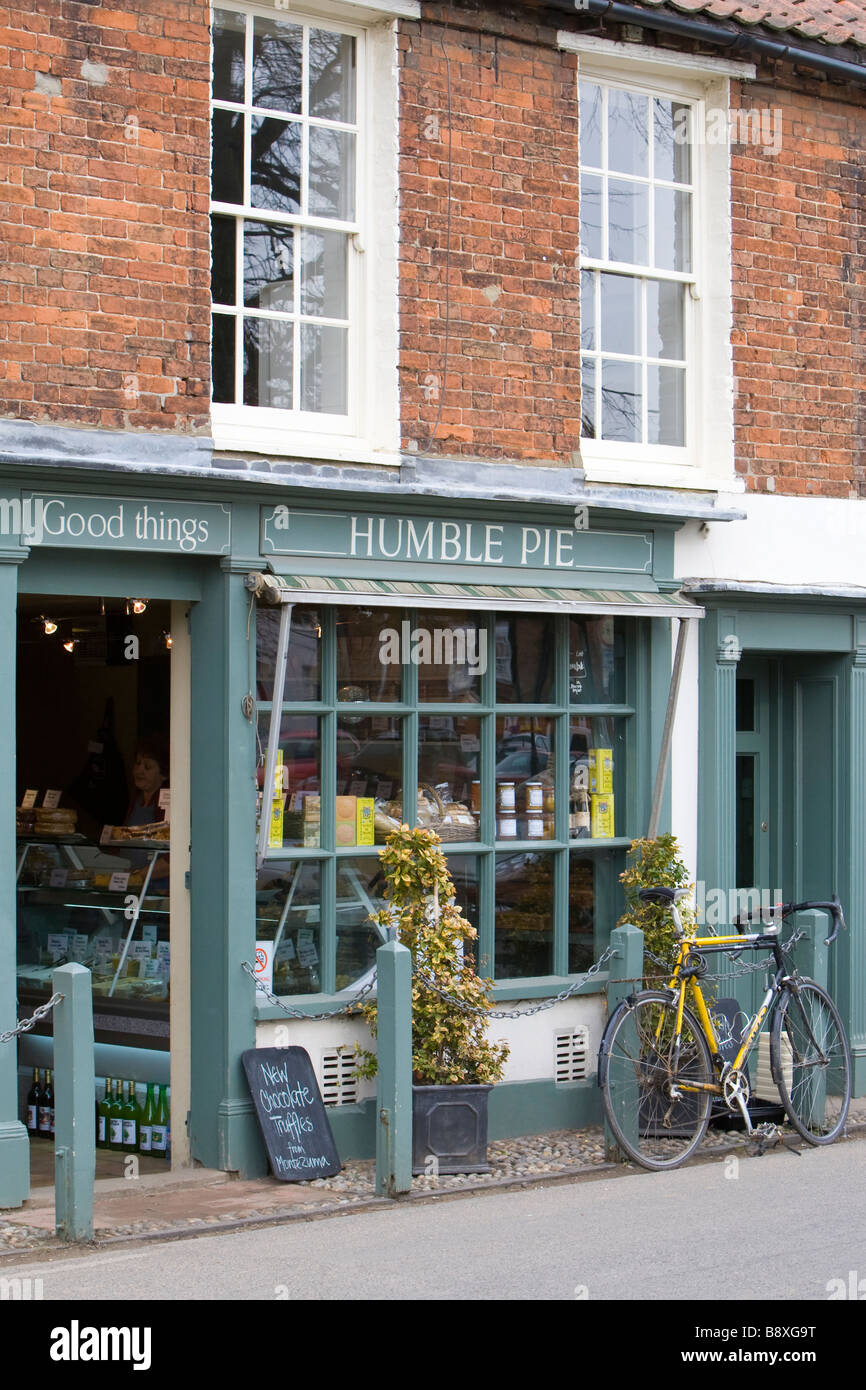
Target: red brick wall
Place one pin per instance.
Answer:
(799, 253)
(512, 380)
(105, 272)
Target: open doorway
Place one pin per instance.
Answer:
(93, 846)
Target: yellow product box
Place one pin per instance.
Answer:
(366, 827)
(312, 807)
(601, 770)
(278, 803)
(601, 816)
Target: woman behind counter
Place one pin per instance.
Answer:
(149, 776)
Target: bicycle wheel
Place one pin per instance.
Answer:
(811, 1062)
(639, 1064)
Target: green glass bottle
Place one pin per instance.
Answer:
(130, 1120)
(115, 1119)
(46, 1107)
(104, 1111)
(160, 1124)
(145, 1124)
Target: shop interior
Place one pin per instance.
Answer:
(93, 820)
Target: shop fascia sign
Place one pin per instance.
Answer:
(436, 540)
(115, 523)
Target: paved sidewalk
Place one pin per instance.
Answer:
(169, 1204)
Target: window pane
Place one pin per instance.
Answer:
(596, 774)
(463, 869)
(590, 124)
(324, 385)
(590, 215)
(587, 310)
(360, 889)
(666, 405)
(375, 769)
(524, 778)
(596, 661)
(369, 665)
(621, 403)
(227, 163)
(277, 49)
(665, 332)
(303, 663)
(223, 359)
(628, 214)
(332, 76)
(268, 266)
(627, 132)
(672, 133)
(449, 751)
(268, 363)
(581, 912)
(228, 56)
(450, 651)
(332, 173)
(620, 314)
(324, 288)
(525, 647)
(294, 814)
(745, 717)
(673, 229)
(524, 915)
(223, 234)
(587, 399)
(275, 176)
(288, 912)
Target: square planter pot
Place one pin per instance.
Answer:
(449, 1123)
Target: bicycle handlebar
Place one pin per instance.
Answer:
(782, 910)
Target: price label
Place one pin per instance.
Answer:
(164, 802)
(286, 950)
(79, 947)
(57, 878)
(29, 799)
(308, 956)
(149, 932)
(140, 950)
(119, 882)
(470, 743)
(51, 800)
(57, 945)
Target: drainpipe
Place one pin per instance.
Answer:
(702, 32)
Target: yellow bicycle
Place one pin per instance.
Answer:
(660, 1063)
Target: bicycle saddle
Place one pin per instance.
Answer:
(662, 894)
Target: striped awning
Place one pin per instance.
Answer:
(529, 598)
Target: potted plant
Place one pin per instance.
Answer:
(454, 1064)
(650, 863)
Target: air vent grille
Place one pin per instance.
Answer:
(571, 1055)
(339, 1077)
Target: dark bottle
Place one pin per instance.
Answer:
(34, 1096)
(46, 1107)
(130, 1120)
(145, 1123)
(115, 1119)
(103, 1132)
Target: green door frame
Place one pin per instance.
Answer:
(733, 627)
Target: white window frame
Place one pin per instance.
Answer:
(369, 432)
(706, 461)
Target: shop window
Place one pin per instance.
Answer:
(451, 741)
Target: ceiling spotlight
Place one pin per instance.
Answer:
(168, 639)
(139, 605)
(70, 645)
(48, 625)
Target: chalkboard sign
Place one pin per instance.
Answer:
(291, 1113)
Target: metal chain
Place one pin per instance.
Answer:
(25, 1024)
(514, 1013)
(347, 1008)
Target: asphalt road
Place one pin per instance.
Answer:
(771, 1228)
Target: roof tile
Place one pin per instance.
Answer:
(830, 21)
